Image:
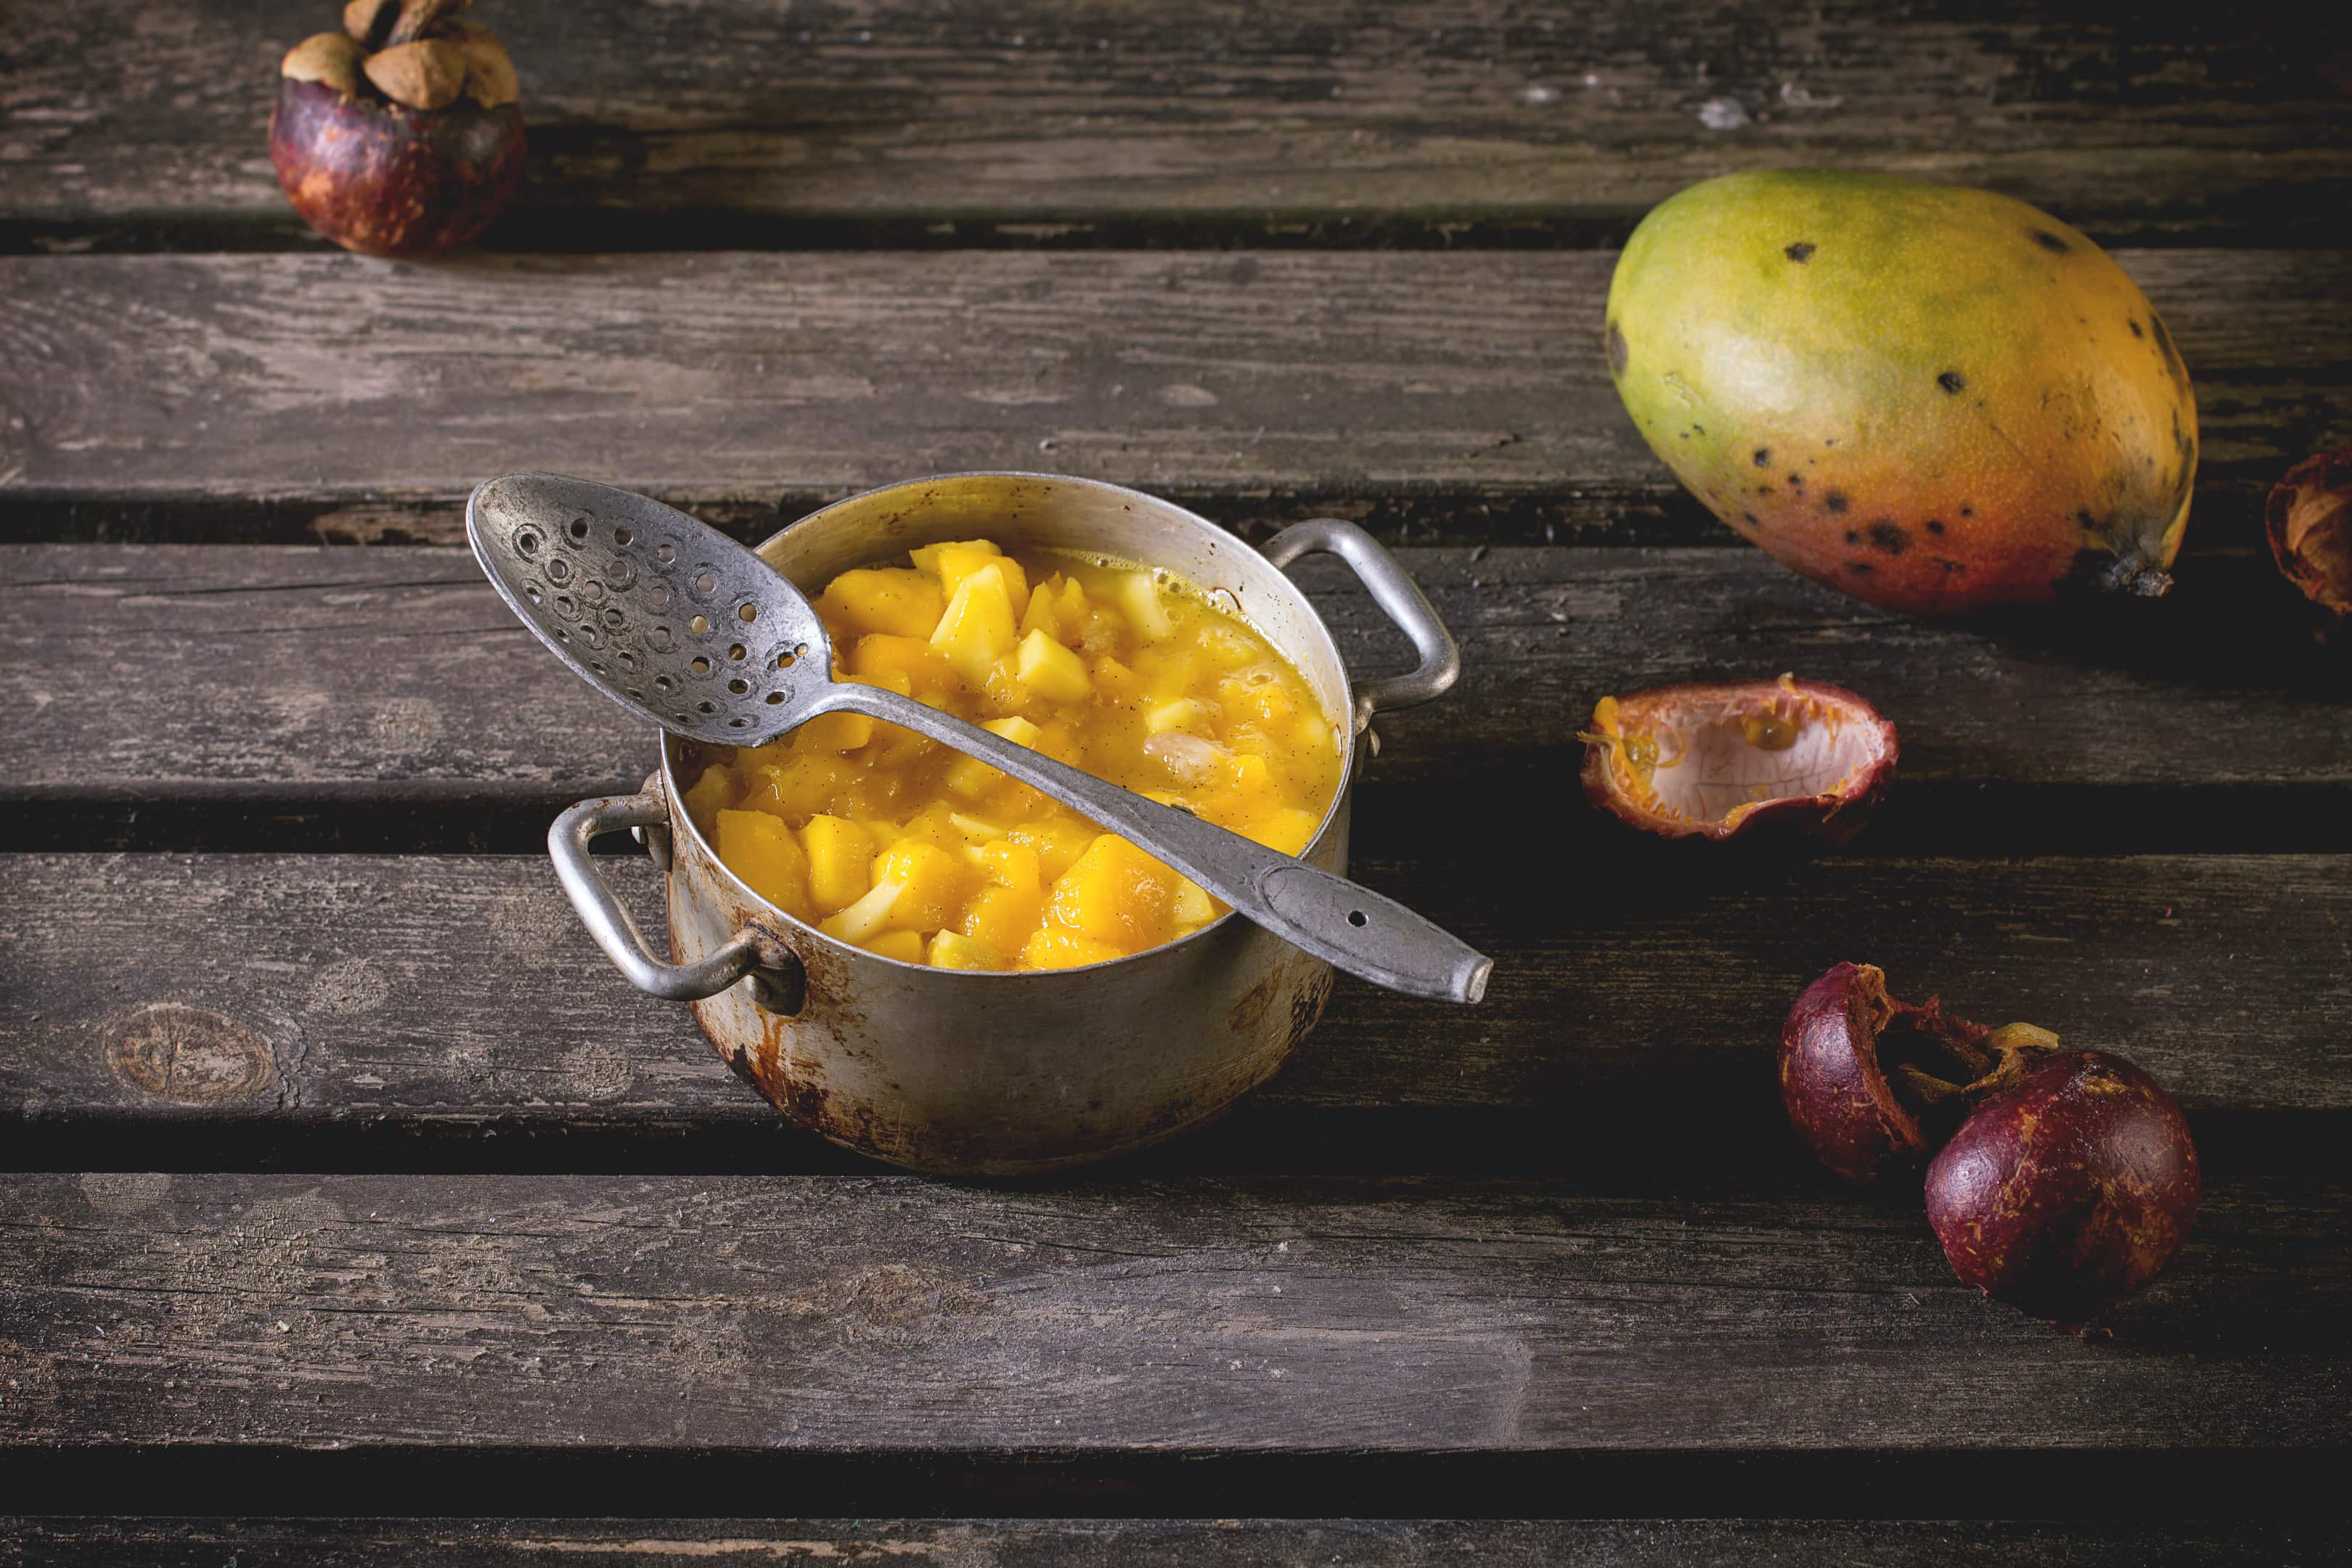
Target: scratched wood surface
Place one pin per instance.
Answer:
(344, 1177)
(1322, 121)
(1150, 1543)
(445, 994)
(351, 388)
(1406, 1314)
(331, 681)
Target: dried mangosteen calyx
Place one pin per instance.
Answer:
(414, 53)
(401, 135)
(2308, 521)
(1708, 761)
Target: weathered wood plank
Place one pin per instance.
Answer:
(1044, 120)
(297, 681)
(1273, 380)
(421, 993)
(1158, 1544)
(843, 1314)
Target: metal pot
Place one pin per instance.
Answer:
(979, 1074)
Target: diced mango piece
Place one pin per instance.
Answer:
(1138, 594)
(933, 884)
(906, 847)
(953, 950)
(1229, 646)
(905, 946)
(1115, 893)
(799, 786)
(927, 559)
(1041, 616)
(934, 826)
(835, 732)
(1046, 669)
(1058, 841)
(1115, 682)
(714, 791)
(972, 778)
(1004, 918)
(878, 657)
(867, 917)
(1189, 714)
(760, 849)
(840, 862)
(977, 627)
(1071, 608)
(1054, 947)
(1011, 865)
(1191, 905)
(1288, 829)
(889, 599)
(1002, 692)
(1058, 738)
(958, 561)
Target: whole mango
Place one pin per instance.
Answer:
(1932, 397)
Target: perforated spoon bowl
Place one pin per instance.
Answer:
(607, 578)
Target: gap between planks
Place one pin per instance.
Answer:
(1282, 1542)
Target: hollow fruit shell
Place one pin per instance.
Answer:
(2068, 1190)
(1931, 397)
(1831, 1084)
(1829, 818)
(385, 180)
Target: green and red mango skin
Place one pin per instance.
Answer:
(1932, 397)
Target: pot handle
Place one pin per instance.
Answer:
(778, 983)
(1395, 593)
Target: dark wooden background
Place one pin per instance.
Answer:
(344, 1180)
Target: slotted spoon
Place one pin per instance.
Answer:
(683, 626)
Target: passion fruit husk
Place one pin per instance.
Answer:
(1624, 757)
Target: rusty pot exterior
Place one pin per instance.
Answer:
(963, 1073)
(959, 1073)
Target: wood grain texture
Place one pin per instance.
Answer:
(872, 1314)
(345, 386)
(1154, 1544)
(1063, 121)
(292, 681)
(423, 994)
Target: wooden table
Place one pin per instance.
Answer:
(351, 1192)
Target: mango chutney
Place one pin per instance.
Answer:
(906, 848)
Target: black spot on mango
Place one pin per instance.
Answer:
(1618, 353)
(1857, 363)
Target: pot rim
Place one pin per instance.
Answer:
(680, 820)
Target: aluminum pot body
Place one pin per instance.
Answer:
(961, 1073)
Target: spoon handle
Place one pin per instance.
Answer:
(1348, 926)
